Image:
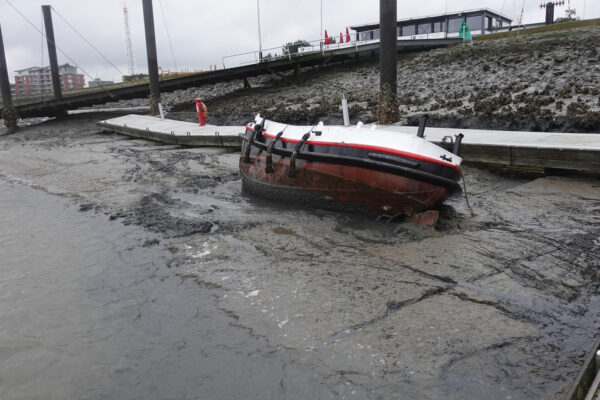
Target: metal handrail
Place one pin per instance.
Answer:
(318, 45)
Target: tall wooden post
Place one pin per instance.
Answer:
(47, 11)
(387, 112)
(549, 13)
(152, 57)
(9, 114)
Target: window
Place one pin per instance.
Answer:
(474, 22)
(408, 30)
(438, 26)
(454, 24)
(424, 28)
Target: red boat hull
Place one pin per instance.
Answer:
(339, 186)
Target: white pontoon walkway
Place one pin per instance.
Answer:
(512, 149)
(170, 131)
(518, 149)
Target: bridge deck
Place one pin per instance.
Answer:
(92, 97)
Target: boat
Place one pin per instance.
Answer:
(352, 168)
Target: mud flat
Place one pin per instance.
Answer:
(504, 305)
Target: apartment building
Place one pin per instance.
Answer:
(36, 80)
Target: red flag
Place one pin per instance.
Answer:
(347, 35)
(327, 40)
(341, 38)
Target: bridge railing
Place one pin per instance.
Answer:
(279, 53)
(319, 46)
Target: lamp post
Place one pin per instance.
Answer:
(321, 30)
(259, 39)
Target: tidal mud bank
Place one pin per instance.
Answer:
(504, 304)
(542, 82)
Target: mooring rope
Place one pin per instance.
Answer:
(465, 191)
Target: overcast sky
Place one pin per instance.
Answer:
(203, 31)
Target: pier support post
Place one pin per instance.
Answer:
(549, 13)
(47, 11)
(152, 57)
(9, 114)
(387, 112)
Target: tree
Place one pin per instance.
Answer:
(570, 16)
(292, 47)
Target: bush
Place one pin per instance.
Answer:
(292, 47)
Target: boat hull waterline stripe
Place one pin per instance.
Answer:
(388, 150)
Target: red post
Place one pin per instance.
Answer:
(201, 109)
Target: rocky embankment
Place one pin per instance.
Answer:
(542, 82)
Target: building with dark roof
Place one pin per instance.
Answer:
(480, 21)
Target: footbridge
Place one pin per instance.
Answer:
(307, 57)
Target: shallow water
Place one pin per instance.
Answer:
(90, 310)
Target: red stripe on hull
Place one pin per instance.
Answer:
(388, 150)
(340, 186)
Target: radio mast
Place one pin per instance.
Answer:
(130, 69)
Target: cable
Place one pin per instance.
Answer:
(465, 191)
(168, 36)
(87, 41)
(59, 49)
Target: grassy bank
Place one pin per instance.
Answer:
(563, 26)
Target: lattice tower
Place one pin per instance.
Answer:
(130, 69)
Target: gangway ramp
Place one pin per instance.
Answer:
(55, 107)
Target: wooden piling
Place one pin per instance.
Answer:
(9, 114)
(152, 57)
(387, 112)
(47, 11)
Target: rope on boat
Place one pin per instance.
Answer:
(465, 191)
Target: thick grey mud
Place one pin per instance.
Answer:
(317, 303)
